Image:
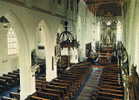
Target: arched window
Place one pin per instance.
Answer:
(12, 42)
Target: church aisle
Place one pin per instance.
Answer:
(91, 84)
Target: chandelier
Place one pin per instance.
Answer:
(66, 39)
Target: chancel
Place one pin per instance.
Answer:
(69, 50)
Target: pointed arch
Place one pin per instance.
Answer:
(49, 51)
(27, 84)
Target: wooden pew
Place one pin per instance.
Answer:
(37, 98)
(63, 87)
(16, 71)
(110, 90)
(15, 95)
(15, 77)
(117, 95)
(7, 98)
(46, 95)
(110, 86)
(10, 73)
(56, 91)
(107, 98)
(8, 79)
(3, 81)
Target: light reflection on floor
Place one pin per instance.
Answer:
(91, 84)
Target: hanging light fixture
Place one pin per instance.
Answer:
(4, 21)
(66, 39)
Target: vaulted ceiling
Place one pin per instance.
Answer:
(105, 7)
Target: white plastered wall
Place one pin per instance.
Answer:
(131, 27)
(25, 21)
(87, 28)
(26, 79)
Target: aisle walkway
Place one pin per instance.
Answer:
(91, 84)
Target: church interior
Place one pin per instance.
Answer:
(69, 49)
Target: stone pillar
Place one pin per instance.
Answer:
(27, 77)
(27, 81)
(51, 67)
(74, 55)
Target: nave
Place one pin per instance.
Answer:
(69, 50)
(83, 81)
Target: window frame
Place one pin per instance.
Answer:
(12, 46)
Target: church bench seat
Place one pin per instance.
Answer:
(37, 98)
(72, 75)
(112, 87)
(53, 88)
(3, 81)
(10, 73)
(112, 80)
(75, 80)
(5, 77)
(107, 98)
(71, 89)
(70, 83)
(65, 86)
(5, 84)
(54, 91)
(57, 87)
(110, 77)
(46, 95)
(2, 88)
(42, 78)
(110, 94)
(7, 98)
(110, 90)
(60, 83)
(110, 83)
(16, 71)
(63, 81)
(15, 95)
(9, 80)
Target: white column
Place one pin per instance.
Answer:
(27, 77)
(51, 73)
(27, 81)
(136, 35)
(74, 55)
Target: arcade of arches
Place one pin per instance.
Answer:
(69, 50)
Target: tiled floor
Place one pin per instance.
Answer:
(90, 85)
